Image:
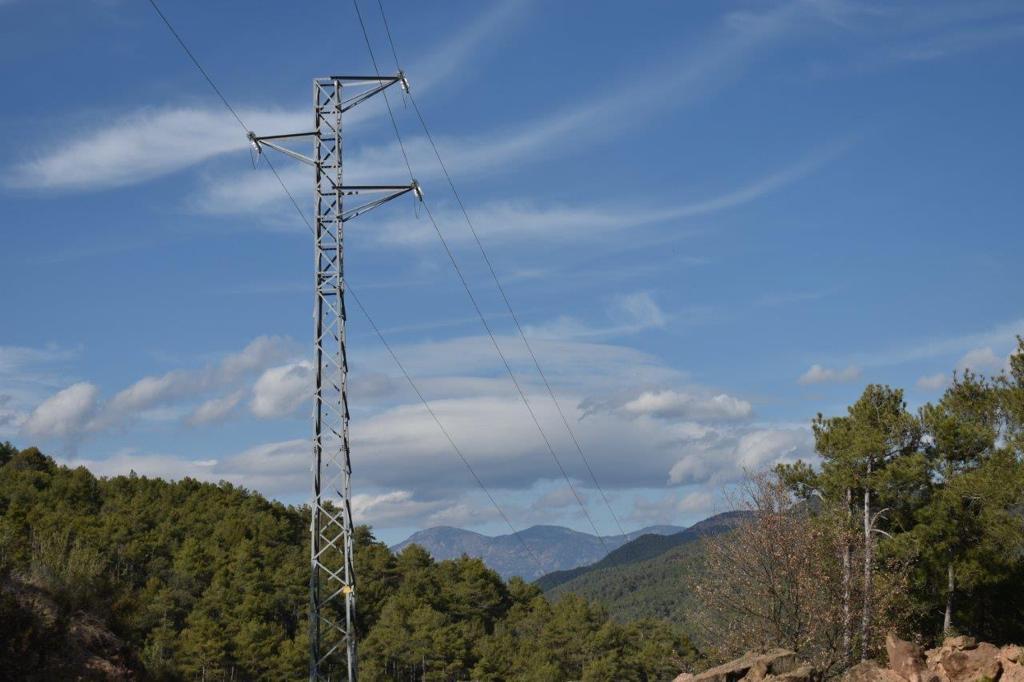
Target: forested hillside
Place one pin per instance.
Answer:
(646, 546)
(659, 587)
(189, 580)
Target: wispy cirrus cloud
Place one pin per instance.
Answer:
(146, 144)
(479, 34)
(507, 221)
(152, 142)
(1002, 336)
(156, 141)
(894, 34)
(954, 42)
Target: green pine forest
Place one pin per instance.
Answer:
(910, 520)
(188, 580)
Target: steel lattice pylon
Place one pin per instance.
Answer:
(332, 583)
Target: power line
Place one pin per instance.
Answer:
(387, 101)
(441, 426)
(494, 275)
(199, 66)
(472, 298)
(419, 394)
(350, 290)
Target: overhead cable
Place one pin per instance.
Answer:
(350, 290)
(497, 280)
(472, 297)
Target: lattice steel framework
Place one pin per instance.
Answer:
(332, 582)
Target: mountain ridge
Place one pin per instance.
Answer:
(556, 547)
(651, 577)
(646, 546)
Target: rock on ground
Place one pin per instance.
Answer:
(752, 666)
(963, 659)
(907, 660)
(869, 671)
(959, 659)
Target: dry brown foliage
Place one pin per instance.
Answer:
(774, 582)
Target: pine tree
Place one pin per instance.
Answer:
(963, 427)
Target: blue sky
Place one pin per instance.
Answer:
(715, 220)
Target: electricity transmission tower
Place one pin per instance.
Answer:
(332, 595)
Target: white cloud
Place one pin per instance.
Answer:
(275, 469)
(1001, 335)
(280, 391)
(772, 446)
(215, 410)
(558, 498)
(625, 451)
(253, 192)
(677, 405)
(153, 390)
(261, 352)
(629, 314)
(702, 72)
(155, 141)
(696, 502)
(983, 360)
(187, 384)
(752, 451)
(147, 144)
(281, 469)
(933, 382)
(446, 366)
(168, 467)
(509, 221)
(817, 374)
(455, 51)
(27, 376)
(65, 414)
(672, 507)
(393, 508)
(397, 445)
(162, 397)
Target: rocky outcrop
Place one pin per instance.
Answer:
(907, 660)
(959, 659)
(776, 665)
(869, 671)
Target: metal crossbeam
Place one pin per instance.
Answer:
(332, 582)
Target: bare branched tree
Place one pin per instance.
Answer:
(775, 581)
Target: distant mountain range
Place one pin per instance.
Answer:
(556, 547)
